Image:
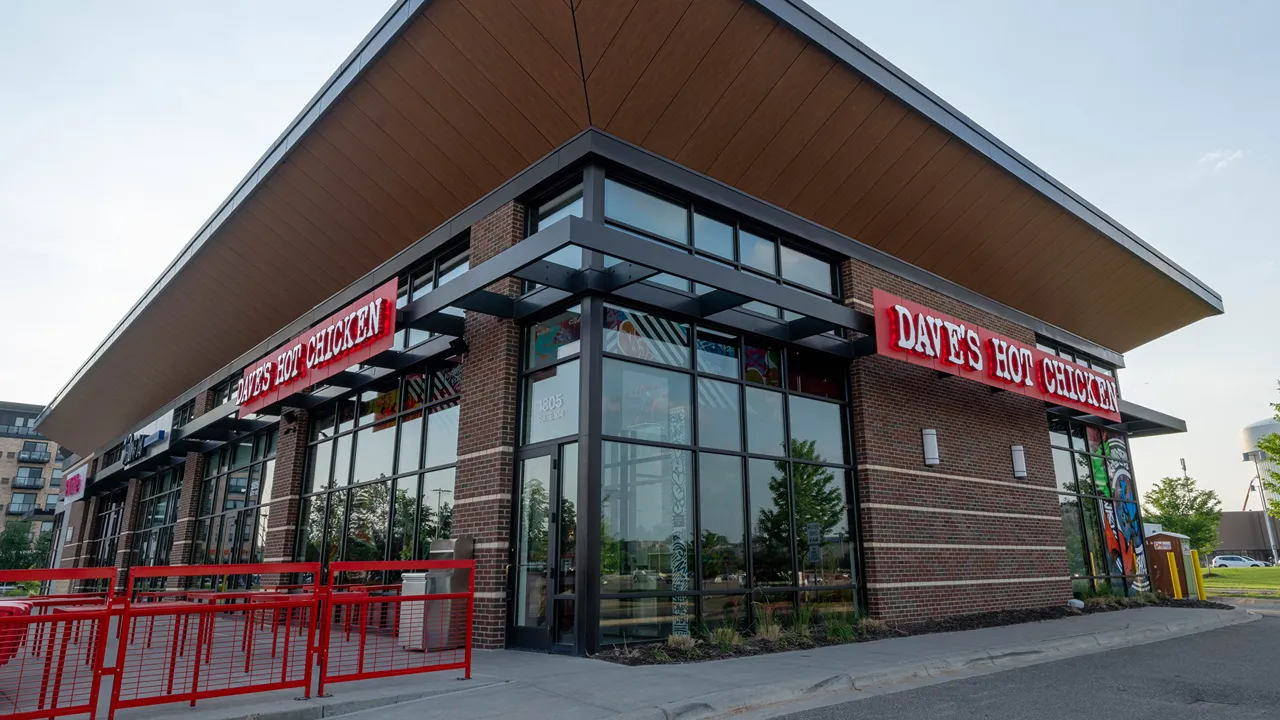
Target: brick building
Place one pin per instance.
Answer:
(677, 313)
(30, 469)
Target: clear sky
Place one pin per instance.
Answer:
(123, 125)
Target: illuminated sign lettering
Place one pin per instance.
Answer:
(923, 336)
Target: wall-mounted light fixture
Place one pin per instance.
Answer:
(1019, 461)
(930, 447)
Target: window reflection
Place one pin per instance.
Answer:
(645, 526)
(766, 433)
(771, 544)
(817, 430)
(723, 535)
(646, 212)
(719, 415)
(646, 403)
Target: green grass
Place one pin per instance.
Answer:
(1265, 578)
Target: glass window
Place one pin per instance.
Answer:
(567, 203)
(719, 415)
(717, 353)
(764, 366)
(319, 464)
(645, 403)
(766, 433)
(723, 538)
(342, 461)
(646, 212)
(410, 454)
(757, 252)
(1059, 433)
(551, 403)
(555, 338)
(770, 524)
(436, 513)
(647, 337)
(375, 452)
(712, 236)
(404, 518)
(814, 373)
(442, 435)
(1062, 470)
(629, 620)
(817, 430)
(378, 406)
(370, 518)
(644, 517)
(805, 270)
(824, 546)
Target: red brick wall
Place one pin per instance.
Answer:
(963, 536)
(487, 432)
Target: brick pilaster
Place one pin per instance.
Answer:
(128, 520)
(487, 432)
(189, 497)
(286, 488)
(1010, 543)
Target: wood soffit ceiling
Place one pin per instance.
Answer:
(473, 91)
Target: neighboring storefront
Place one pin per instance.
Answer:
(655, 401)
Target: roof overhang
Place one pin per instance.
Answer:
(446, 101)
(1135, 420)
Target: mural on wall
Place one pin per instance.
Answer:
(1129, 522)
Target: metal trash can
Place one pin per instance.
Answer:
(430, 625)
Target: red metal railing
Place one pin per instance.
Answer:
(188, 633)
(52, 644)
(195, 639)
(375, 630)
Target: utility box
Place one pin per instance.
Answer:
(431, 625)
(1158, 547)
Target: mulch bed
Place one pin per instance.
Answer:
(660, 653)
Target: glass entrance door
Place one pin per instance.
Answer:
(544, 550)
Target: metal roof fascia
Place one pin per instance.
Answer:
(386, 30)
(818, 29)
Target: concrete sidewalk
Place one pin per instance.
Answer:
(538, 685)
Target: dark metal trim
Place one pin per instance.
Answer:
(819, 30)
(639, 160)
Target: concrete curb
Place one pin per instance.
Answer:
(725, 702)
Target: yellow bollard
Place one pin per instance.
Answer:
(1195, 560)
(1173, 573)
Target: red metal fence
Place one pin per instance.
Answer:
(375, 628)
(52, 642)
(182, 634)
(205, 633)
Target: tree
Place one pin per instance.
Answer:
(15, 546)
(42, 551)
(1179, 506)
(1270, 476)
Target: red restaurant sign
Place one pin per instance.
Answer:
(354, 334)
(922, 336)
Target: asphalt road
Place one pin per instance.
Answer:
(1229, 673)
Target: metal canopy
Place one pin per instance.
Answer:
(1135, 420)
(623, 282)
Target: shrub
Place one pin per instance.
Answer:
(803, 622)
(868, 626)
(839, 628)
(726, 636)
(681, 642)
(767, 625)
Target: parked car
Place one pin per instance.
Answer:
(1233, 561)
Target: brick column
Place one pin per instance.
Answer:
(1009, 547)
(189, 497)
(487, 432)
(128, 518)
(286, 489)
